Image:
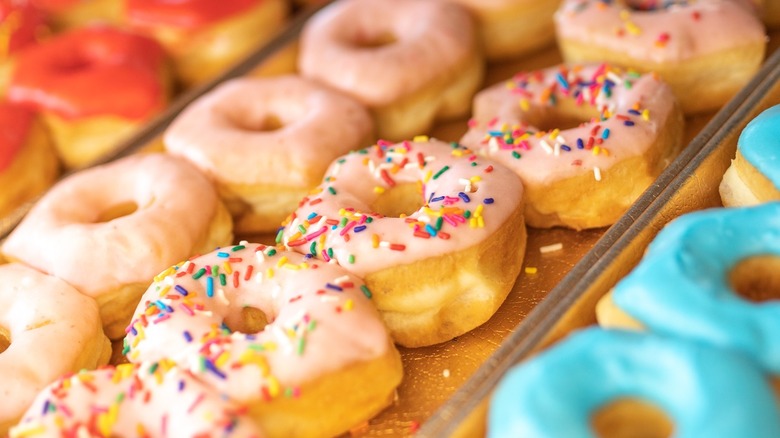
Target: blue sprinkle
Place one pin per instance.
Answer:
(133, 330)
(334, 287)
(187, 336)
(311, 216)
(437, 199)
(488, 201)
(565, 148)
(181, 385)
(628, 123)
(580, 144)
(180, 289)
(495, 133)
(359, 228)
(634, 112)
(430, 230)
(213, 368)
(464, 197)
(209, 287)
(605, 134)
(561, 80)
(223, 255)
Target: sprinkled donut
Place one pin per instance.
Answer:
(707, 50)
(436, 233)
(588, 175)
(409, 61)
(754, 175)
(295, 339)
(47, 329)
(145, 400)
(267, 142)
(704, 391)
(689, 282)
(109, 229)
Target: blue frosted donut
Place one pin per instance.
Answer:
(705, 391)
(681, 287)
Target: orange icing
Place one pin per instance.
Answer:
(184, 13)
(91, 71)
(19, 25)
(16, 122)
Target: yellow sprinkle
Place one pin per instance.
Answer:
(222, 359)
(375, 240)
(530, 270)
(481, 222)
(624, 14)
(291, 267)
(596, 150)
(269, 273)
(554, 133)
(632, 28)
(25, 430)
(348, 304)
(282, 262)
(161, 276)
(478, 210)
(475, 179)
(273, 386)
(646, 115)
(228, 269)
(524, 105)
(420, 139)
(379, 190)
(165, 290)
(472, 222)
(427, 176)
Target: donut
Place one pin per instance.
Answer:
(20, 25)
(146, 400)
(409, 61)
(94, 87)
(586, 140)
(754, 174)
(704, 391)
(28, 163)
(296, 340)
(110, 229)
(267, 142)
(69, 14)
(707, 50)
(509, 28)
(204, 37)
(693, 277)
(47, 329)
(435, 232)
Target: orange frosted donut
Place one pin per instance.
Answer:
(109, 229)
(435, 232)
(47, 329)
(204, 37)
(297, 340)
(146, 400)
(409, 61)
(20, 24)
(707, 50)
(93, 86)
(66, 14)
(267, 142)
(28, 163)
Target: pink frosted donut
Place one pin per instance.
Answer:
(47, 329)
(435, 232)
(409, 61)
(267, 142)
(296, 340)
(707, 50)
(146, 400)
(108, 230)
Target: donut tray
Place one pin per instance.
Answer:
(445, 386)
(690, 183)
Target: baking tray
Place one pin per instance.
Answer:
(690, 183)
(440, 381)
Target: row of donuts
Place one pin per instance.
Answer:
(691, 330)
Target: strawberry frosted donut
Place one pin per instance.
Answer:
(147, 400)
(706, 50)
(20, 24)
(585, 176)
(47, 329)
(436, 233)
(297, 340)
(267, 142)
(204, 37)
(108, 230)
(94, 87)
(67, 14)
(409, 61)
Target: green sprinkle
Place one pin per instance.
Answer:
(238, 248)
(369, 220)
(215, 270)
(222, 279)
(313, 248)
(271, 252)
(289, 393)
(467, 214)
(473, 164)
(302, 229)
(312, 325)
(628, 84)
(366, 292)
(516, 154)
(330, 252)
(255, 347)
(301, 346)
(443, 169)
(201, 272)
(120, 397)
(279, 235)
(332, 190)
(439, 223)
(153, 367)
(351, 259)
(343, 222)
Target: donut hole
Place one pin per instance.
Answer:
(631, 418)
(267, 123)
(5, 339)
(398, 201)
(117, 211)
(757, 279)
(371, 40)
(547, 119)
(250, 320)
(653, 5)
(71, 64)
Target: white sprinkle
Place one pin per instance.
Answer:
(614, 78)
(258, 277)
(546, 147)
(260, 256)
(342, 279)
(597, 173)
(551, 248)
(220, 295)
(384, 244)
(446, 373)
(371, 166)
(243, 243)
(493, 144)
(560, 139)
(557, 150)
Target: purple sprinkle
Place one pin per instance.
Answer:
(634, 112)
(488, 201)
(333, 287)
(628, 123)
(180, 289)
(187, 336)
(437, 199)
(464, 197)
(580, 144)
(565, 148)
(359, 228)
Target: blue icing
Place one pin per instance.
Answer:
(759, 143)
(681, 286)
(705, 391)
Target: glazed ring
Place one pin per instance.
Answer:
(409, 61)
(754, 175)
(626, 129)
(690, 280)
(109, 229)
(150, 399)
(435, 232)
(267, 142)
(707, 50)
(94, 87)
(297, 340)
(47, 329)
(557, 392)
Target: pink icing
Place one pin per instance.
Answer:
(221, 132)
(432, 38)
(499, 130)
(340, 223)
(320, 321)
(680, 32)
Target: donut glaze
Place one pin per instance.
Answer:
(705, 391)
(681, 287)
(16, 122)
(189, 14)
(759, 143)
(20, 25)
(150, 400)
(91, 71)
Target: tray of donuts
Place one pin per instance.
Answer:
(673, 312)
(436, 241)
